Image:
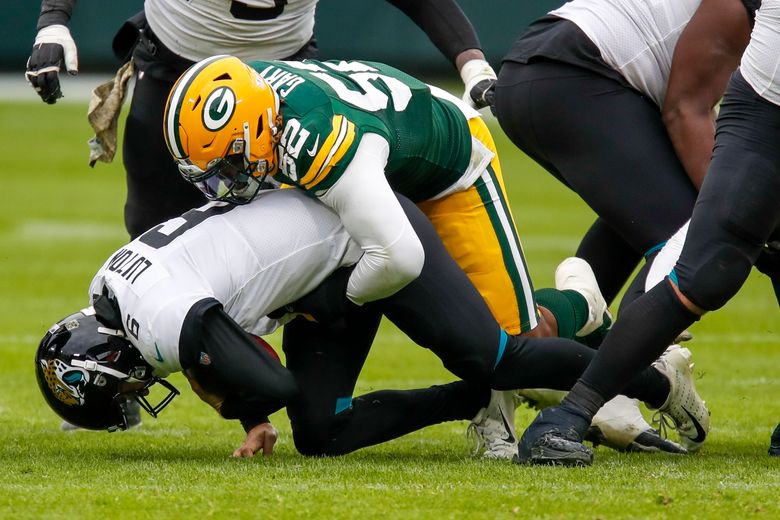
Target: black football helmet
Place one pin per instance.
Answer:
(81, 366)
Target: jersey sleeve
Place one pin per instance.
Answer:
(316, 149)
(214, 340)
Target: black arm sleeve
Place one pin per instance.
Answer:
(254, 382)
(55, 12)
(444, 22)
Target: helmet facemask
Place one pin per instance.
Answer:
(233, 178)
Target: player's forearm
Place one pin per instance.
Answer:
(383, 271)
(392, 253)
(692, 132)
(445, 24)
(55, 12)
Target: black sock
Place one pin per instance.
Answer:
(644, 330)
(584, 398)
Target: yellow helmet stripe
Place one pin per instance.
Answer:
(333, 149)
(176, 101)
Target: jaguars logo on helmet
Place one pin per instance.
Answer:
(66, 382)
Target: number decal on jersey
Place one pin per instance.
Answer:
(132, 326)
(128, 264)
(371, 98)
(292, 141)
(163, 234)
(243, 11)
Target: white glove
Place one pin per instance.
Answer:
(479, 78)
(53, 46)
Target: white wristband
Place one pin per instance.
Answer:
(474, 71)
(60, 35)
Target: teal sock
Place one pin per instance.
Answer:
(569, 308)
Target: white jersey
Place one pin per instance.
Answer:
(253, 259)
(761, 61)
(635, 37)
(197, 29)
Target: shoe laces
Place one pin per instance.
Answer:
(664, 423)
(475, 441)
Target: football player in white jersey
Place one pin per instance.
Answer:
(736, 221)
(169, 35)
(615, 99)
(190, 293)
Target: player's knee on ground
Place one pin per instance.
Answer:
(318, 434)
(312, 439)
(717, 279)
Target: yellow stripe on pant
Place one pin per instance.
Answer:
(478, 230)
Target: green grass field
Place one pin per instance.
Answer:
(60, 219)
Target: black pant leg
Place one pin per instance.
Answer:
(738, 209)
(611, 257)
(736, 213)
(606, 142)
(326, 363)
(155, 190)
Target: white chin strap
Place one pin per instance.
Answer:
(93, 366)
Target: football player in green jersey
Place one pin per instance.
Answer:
(350, 133)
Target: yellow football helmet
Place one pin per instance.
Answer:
(222, 125)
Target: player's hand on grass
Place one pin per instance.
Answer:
(53, 48)
(261, 437)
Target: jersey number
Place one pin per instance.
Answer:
(163, 234)
(371, 99)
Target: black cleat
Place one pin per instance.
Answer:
(555, 438)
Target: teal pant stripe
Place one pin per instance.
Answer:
(673, 276)
(343, 403)
(655, 249)
(501, 347)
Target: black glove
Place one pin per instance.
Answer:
(479, 78)
(482, 94)
(327, 304)
(53, 48)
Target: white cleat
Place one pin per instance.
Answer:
(492, 431)
(619, 424)
(576, 274)
(541, 398)
(684, 406)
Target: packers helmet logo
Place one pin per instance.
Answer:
(65, 382)
(219, 108)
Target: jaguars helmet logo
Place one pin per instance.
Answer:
(65, 382)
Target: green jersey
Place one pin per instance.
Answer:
(328, 106)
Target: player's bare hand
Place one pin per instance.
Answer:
(261, 437)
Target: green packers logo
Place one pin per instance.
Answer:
(65, 382)
(218, 108)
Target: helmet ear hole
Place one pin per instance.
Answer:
(259, 127)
